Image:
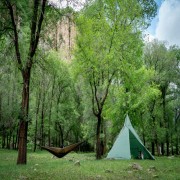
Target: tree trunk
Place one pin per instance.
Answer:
(3, 129)
(157, 146)
(162, 148)
(61, 135)
(105, 138)
(7, 142)
(23, 125)
(56, 140)
(172, 144)
(155, 137)
(42, 118)
(50, 109)
(177, 144)
(167, 144)
(163, 124)
(162, 143)
(3, 137)
(144, 139)
(176, 132)
(10, 137)
(22, 142)
(153, 148)
(16, 141)
(38, 11)
(98, 140)
(36, 122)
(143, 129)
(49, 135)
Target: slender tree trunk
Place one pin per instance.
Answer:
(98, 140)
(56, 139)
(167, 143)
(177, 146)
(162, 148)
(155, 137)
(102, 140)
(58, 125)
(157, 146)
(143, 133)
(105, 138)
(3, 137)
(50, 108)
(42, 118)
(2, 140)
(176, 127)
(144, 139)
(23, 124)
(164, 123)
(172, 144)
(36, 122)
(162, 143)
(49, 135)
(177, 140)
(10, 138)
(16, 141)
(13, 143)
(7, 142)
(153, 148)
(61, 135)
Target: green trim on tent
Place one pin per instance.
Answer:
(137, 148)
(128, 144)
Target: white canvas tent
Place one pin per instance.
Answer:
(128, 144)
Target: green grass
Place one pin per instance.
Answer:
(42, 166)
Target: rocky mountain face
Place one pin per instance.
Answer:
(63, 37)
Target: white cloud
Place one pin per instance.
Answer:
(168, 26)
(75, 4)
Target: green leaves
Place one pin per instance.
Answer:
(108, 57)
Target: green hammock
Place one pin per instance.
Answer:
(61, 152)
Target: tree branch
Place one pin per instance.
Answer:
(107, 89)
(93, 107)
(95, 93)
(16, 39)
(35, 29)
(40, 24)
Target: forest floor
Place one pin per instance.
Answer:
(41, 165)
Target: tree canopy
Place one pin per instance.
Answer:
(46, 99)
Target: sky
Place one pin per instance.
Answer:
(166, 25)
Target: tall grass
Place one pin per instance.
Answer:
(42, 165)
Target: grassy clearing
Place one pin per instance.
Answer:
(42, 166)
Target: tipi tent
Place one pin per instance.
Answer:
(128, 144)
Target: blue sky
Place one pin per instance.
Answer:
(166, 25)
(152, 28)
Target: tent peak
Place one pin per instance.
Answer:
(127, 122)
